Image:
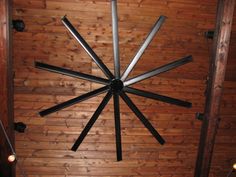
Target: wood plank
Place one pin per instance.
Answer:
(6, 89)
(44, 149)
(217, 73)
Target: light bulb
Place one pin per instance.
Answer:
(11, 158)
(234, 166)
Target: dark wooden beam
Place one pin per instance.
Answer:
(6, 89)
(211, 120)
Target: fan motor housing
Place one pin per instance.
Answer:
(116, 85)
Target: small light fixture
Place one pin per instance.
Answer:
(19, 127)
(11, 158)
(232, 170)
(199, 116)
(209, 34)
(234, 166)
(18, 25)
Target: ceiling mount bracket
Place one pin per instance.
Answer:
(199, 116)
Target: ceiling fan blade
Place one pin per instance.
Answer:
(73, 101)
(158, 97)
(115, 39)
(87, 48)
(142, 118)
(117, 126)
(140, 52)
(159, 70)
(92, 121)
(71, 73)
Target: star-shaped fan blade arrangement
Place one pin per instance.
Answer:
(115, 85)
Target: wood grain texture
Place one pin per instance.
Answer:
(6, 89)
(225, 12)
(44, 150)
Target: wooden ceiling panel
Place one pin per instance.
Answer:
(44, 150)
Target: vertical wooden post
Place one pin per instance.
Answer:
(6, 89)
(216, 78)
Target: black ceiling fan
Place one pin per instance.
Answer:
(116, 85)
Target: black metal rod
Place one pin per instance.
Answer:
(115, 39)
(7, 138)
(73, 101)
(158, 97)
(142, 118)
(92, 121)
(143, 47)
(230, 172)
(71, 73)
(117, 126)
(87, 48)
(159, 70)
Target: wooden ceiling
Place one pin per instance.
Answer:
(44, 150)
